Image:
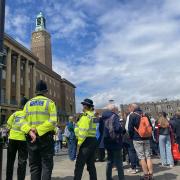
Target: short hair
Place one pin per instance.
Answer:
(112, 107)
(71, 118)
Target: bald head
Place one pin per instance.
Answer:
(112, 107)
(133, 107)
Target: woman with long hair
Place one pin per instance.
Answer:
(165, 141)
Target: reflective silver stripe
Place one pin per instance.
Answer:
(47, 104)
(19, 124)
(53, 114)
(91, 122)
(53, 122)
(42, 99)
(16, 129)
(38, 113)
(92, 129)
(18, 119)
(90, 117)
(81, 136)
(36, 123)
(83, 129)
(21, 117)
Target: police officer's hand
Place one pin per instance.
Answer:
(34, 130)
(33, 136)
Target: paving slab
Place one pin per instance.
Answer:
(64, 169)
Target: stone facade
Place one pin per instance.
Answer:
(23, 68)
(154, 108)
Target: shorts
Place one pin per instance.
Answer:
(143, 149)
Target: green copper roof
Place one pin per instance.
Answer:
(40, 22)
(40, 14)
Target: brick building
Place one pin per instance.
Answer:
(23, 68)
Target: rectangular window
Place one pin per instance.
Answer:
(3, 95)
(13, 78)
(22, 66)
(3, 74)
(22, 82)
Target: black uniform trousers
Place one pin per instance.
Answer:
(86, 156)
(13, 147)
(41, 157)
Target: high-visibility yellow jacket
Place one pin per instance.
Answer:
(14, 123)
(40, 114)
(85, 127)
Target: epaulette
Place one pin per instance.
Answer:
(84, 114)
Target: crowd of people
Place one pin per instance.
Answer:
(34, 133)
(127, 139)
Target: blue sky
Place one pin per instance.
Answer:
(124, 50)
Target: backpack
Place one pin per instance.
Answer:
(145, 129)
(109, 125)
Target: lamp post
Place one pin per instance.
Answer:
(2, 20)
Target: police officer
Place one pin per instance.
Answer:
(87, 142)
(41, 120)
(17, 142)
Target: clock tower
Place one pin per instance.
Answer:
(41, 42)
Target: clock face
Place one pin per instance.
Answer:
(38, 21)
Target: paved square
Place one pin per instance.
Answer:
(64, 168)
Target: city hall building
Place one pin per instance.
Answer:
(22, 68)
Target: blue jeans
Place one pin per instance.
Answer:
(114, 158)
(57, 146)
(165, 150)
(72, 149)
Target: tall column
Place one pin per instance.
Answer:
(34, 79)
(8, 77)
(27, 79)
(18, 79)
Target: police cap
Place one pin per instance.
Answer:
(41, 87)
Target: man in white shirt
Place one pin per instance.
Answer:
(131, 151)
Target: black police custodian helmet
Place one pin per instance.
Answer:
(24, 100)
(88, 102)
(41, 87)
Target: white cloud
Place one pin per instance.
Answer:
(16, 24)
(136, 58)
(66, 21)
